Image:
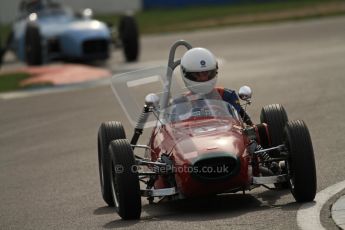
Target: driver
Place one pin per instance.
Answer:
(199, 69)
(31, 6)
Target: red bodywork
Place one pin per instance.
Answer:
(192, 141)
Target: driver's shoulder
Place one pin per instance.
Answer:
(225, 92)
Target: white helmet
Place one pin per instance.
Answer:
(199, 70)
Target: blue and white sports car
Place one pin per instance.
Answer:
(46, 31)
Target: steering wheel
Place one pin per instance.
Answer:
(217, 110)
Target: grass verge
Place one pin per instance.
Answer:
(11, 81)
(170, 20)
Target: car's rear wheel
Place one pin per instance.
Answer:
(129, 36)
(125, 180)
(276, 118)
(33, 46)
(301, 163)
(108, 131)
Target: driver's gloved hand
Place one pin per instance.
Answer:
(248, 121)
(245, 117)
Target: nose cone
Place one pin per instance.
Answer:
(215, 156)
(212, 157)
(204, 142)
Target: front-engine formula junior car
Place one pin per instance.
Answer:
(45, 30)
(198, 146)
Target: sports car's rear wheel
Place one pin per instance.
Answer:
(108, 131)
(125, 180)
(33, 46)
(2, 50)
(301, 163)
(276, 118)
(129, 35)
(2, 54)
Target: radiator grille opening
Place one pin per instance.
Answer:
(97, 46)
(216, 168)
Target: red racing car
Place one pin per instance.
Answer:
(198, 146)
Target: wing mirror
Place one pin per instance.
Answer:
(33, 17)
(152, 100)
(245, 93)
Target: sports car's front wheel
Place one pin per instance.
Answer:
(129, 35)
(33, 46)
(108, 131)
(301, 162)
(124, 180)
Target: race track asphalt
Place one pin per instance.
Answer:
(48, 150)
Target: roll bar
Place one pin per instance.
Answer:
(172, 64)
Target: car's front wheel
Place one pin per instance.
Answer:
(301, 162)
(125, 180)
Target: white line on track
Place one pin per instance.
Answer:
(308, 215)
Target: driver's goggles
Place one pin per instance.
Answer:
(201, 76)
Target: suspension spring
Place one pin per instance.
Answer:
(143, 118)
(264, 156)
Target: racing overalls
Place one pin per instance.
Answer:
(231, 97)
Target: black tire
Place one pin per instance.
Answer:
(129, 36)
(108, 131)
(33, 46)
(2, 54)
(125, 180)
(2, 51)
(276, 118)
(301, 163)
(5, 47)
